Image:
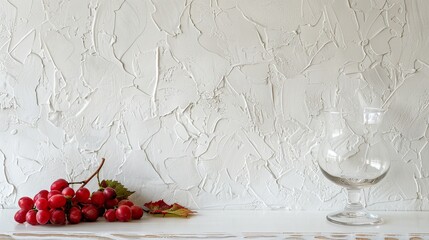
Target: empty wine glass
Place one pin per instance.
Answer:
(354, 155)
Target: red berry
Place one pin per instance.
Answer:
(90, 213)
(42, 204)
(26, 203)
(58, 217)
(97, 198)
(68, 192)
(43, 216)
(110, 215)
(123, 213)
(103, 184)
(57, 201)
(41, 194)
(59, 184)
(30, 217)
(109, 193)
(82, 194)
(111, 203)
(75, 215)
(87, 201)
(52, 193)
(136, 212)
(126, 202)
(20, 216)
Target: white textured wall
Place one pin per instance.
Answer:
(213, 104)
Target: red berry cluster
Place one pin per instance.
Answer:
(63, 204)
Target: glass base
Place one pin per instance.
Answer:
(354, 218)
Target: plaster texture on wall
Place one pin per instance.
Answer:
(213, 104)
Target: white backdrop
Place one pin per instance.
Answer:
(212, 104)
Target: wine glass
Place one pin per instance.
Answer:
(354, 155)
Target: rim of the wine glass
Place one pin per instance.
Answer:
(365, 110)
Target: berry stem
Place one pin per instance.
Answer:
(93, 175)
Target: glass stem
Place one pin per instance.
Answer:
(354, 200)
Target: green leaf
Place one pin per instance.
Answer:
(121, 191)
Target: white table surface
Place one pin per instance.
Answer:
(229, 224)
